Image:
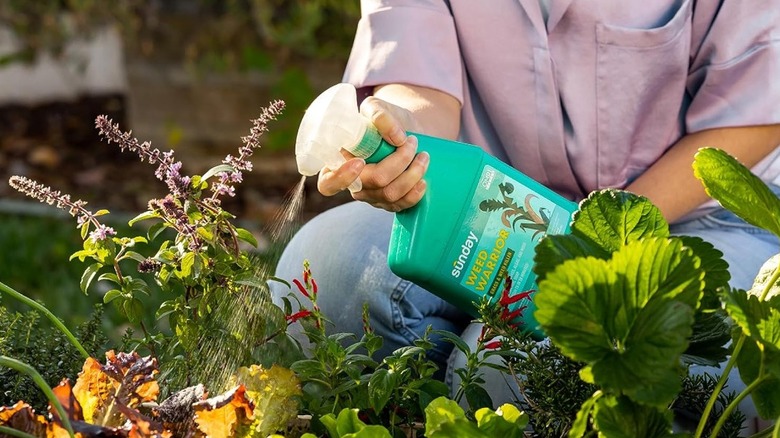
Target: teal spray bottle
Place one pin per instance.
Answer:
(477, 223)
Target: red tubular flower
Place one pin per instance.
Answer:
(297, 315)
(512, 316)
(507, 300)
(301, 288)
(313, 287)
(493, 345)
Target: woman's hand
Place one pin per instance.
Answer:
(395, 183)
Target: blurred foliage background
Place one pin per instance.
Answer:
(287, 49)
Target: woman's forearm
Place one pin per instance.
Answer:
(670, 183)
(436, 113)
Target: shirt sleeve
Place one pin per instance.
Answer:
(406, 41)
(735, 68)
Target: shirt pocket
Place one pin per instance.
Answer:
(640, 92)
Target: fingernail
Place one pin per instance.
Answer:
(398, 136)
(424, 158)
(358, 165)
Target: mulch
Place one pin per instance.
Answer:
(57, 145)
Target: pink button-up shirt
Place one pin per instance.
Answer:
(593, 95)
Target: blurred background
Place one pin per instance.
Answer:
(186, 75)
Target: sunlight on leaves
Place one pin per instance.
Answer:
(225, 414)
(737, 189)
(273, 393)
(629, 318)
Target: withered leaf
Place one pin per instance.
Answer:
(65, 396)
(22, 417)
(223, 415)
(125, 378)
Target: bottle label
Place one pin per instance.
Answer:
(505, 221)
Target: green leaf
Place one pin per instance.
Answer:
(612, 219)
(737, 189)
(580, 424)
(555, 249)
(133, 255)
(134, 309)
(89, 275)
(707, 345)
(186, 264)
(628, 318)
(445, 419)
(101, 212)
(762, 286)
(716, 269)
(750, 362)
(82, 254)
(619, 417)
(507, 421)
(348, 425)
(760, 320)
(216, 169)
(111, 295)
(155, 230)
(246, 236)
(380, 388)
(142, 217)
(477, 396)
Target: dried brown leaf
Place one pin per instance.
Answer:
(221, 416)
(22, 417)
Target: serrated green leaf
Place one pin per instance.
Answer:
(611, 219)
(555, 249)
(716, 269)
(707, 344)
(619, 417)
(750, 363)
(580, 424)
(88, 276)
(629, 317)
(142, 217)
(737, 189)
(759, 320)
(246, 236)
(111, 295)
(762, 285)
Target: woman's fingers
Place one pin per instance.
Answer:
(332, 181)
(391, 121)
(397, 182)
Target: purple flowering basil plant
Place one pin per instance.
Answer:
(199, 257)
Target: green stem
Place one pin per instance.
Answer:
(54, 320)
(13, 432)
(769, 284)
(721, 383)
(733, 405)
(776, 429)
(33, 374)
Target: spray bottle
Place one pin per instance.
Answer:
(477, 223)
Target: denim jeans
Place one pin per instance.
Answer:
(347, 249)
